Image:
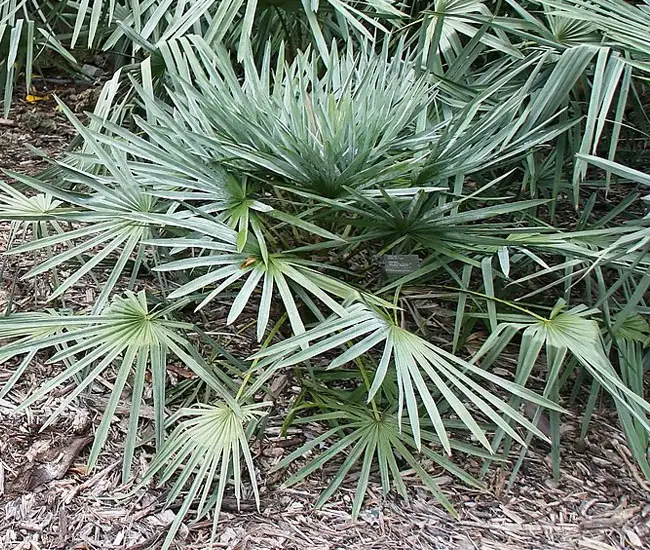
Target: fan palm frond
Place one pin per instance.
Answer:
(418, 365)
(127, 335)
(205, 449)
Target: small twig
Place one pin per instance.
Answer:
(63, 526)
(151, 542)
(92, 481)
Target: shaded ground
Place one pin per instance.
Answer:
(38, 124)
(49, 501)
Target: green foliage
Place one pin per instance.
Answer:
(268, 156)
(207, 444)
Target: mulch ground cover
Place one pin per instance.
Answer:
(49, 501)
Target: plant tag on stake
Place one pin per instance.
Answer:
(398, 265)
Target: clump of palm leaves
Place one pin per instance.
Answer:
(276, 176)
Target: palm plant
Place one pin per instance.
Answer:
(274, 179)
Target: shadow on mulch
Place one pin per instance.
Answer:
(37, 123)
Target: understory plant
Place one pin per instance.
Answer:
(395, 213)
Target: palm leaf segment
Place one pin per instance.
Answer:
(108, 210)
(572, 333)
(376, 441)
(130, 26)
(278, 273)
(349, 127)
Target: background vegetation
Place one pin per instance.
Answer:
(265, 160)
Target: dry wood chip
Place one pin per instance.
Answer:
(593, 544)
(633, 538)
(48, 463)
(609, 521)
